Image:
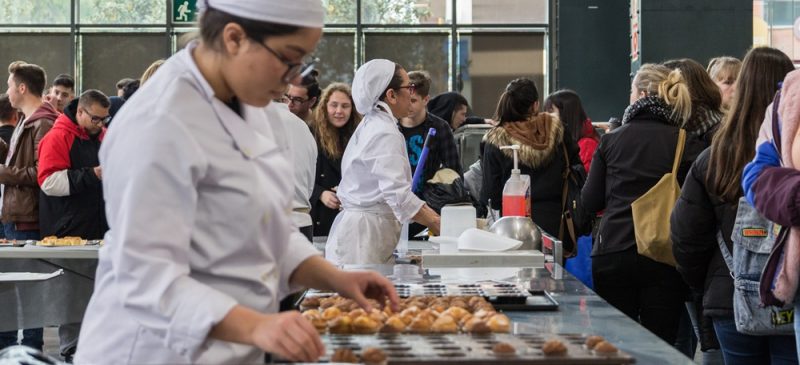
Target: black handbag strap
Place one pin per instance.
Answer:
(566, 217)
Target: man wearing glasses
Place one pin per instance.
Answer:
(71, 202)
(302, 99)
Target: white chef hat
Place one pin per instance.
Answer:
(371, 80)
(301, 13)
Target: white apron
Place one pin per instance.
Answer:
(363, 235)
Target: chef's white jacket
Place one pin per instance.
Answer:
(375, 167)
(375, 192)
(303, 148)
(198, 201)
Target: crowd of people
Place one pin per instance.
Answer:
(201, 150)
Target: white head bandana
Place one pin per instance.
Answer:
(371, 79)
(301, 13)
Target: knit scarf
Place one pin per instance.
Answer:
(702, 120)
(652, 104)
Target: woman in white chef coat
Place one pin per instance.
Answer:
(201, 247)
(375, 191)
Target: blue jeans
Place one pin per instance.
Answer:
(797, 323)
(32, 337)
(739, 348)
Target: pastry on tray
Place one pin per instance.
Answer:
(605, 348)
(554, 348)
(499, 323)
(592, 341)
(63, 241)
(394, 324)
(373, 356)
(420, 324)
(344, 355)
(341, 325)
(444, 324)
(503, 348)
(365, 325)
(477, 326)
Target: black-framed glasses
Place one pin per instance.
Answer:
(293, 99)
(96, 119)
(302, 68)
(412, 88)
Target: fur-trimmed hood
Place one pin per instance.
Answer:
(529, 155)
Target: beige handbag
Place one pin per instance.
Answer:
(652, 210)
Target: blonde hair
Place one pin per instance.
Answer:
(334, 140)
(669, 85)
(148, 73)
(649, 77)
(675, 91)
(724, 68)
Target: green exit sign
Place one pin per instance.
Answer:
(184, 11)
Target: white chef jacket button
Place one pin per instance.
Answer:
(321, 175)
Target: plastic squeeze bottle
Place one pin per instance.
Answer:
(517, 191)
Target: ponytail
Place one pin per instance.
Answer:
(675, 92)
(517, 100)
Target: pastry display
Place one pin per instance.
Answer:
(393, 325)
(316, 320)
(344, 355)
(364, 325)
(420, 324)
(373, 356)
(503, 348)
(63, 241)
(592, 341)
(499, 323)
(605, 348)
(444, 324)
(341, 325)
(310, 302)
(476, 326)
(554, 348)
(421, 314)
(331, 313)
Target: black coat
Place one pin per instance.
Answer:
(629, 162)
(697, 217)
(545, 167)
(328, 175)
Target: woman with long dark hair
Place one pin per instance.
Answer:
(541, 156)
(567, 106)
(708, 205)
(334, 123)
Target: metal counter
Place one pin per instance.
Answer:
(580, 311)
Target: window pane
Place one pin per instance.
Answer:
(405, 11)
(340, 11)
(34, 12)
(427, 52)
(522, 55)
(123, 12)
(52, 52)
(502, 11)
(107, 58)
(336, 53)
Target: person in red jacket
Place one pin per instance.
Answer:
(566, 104)
(71, 199)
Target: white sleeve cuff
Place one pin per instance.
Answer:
(297, 251)
(57, 184)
